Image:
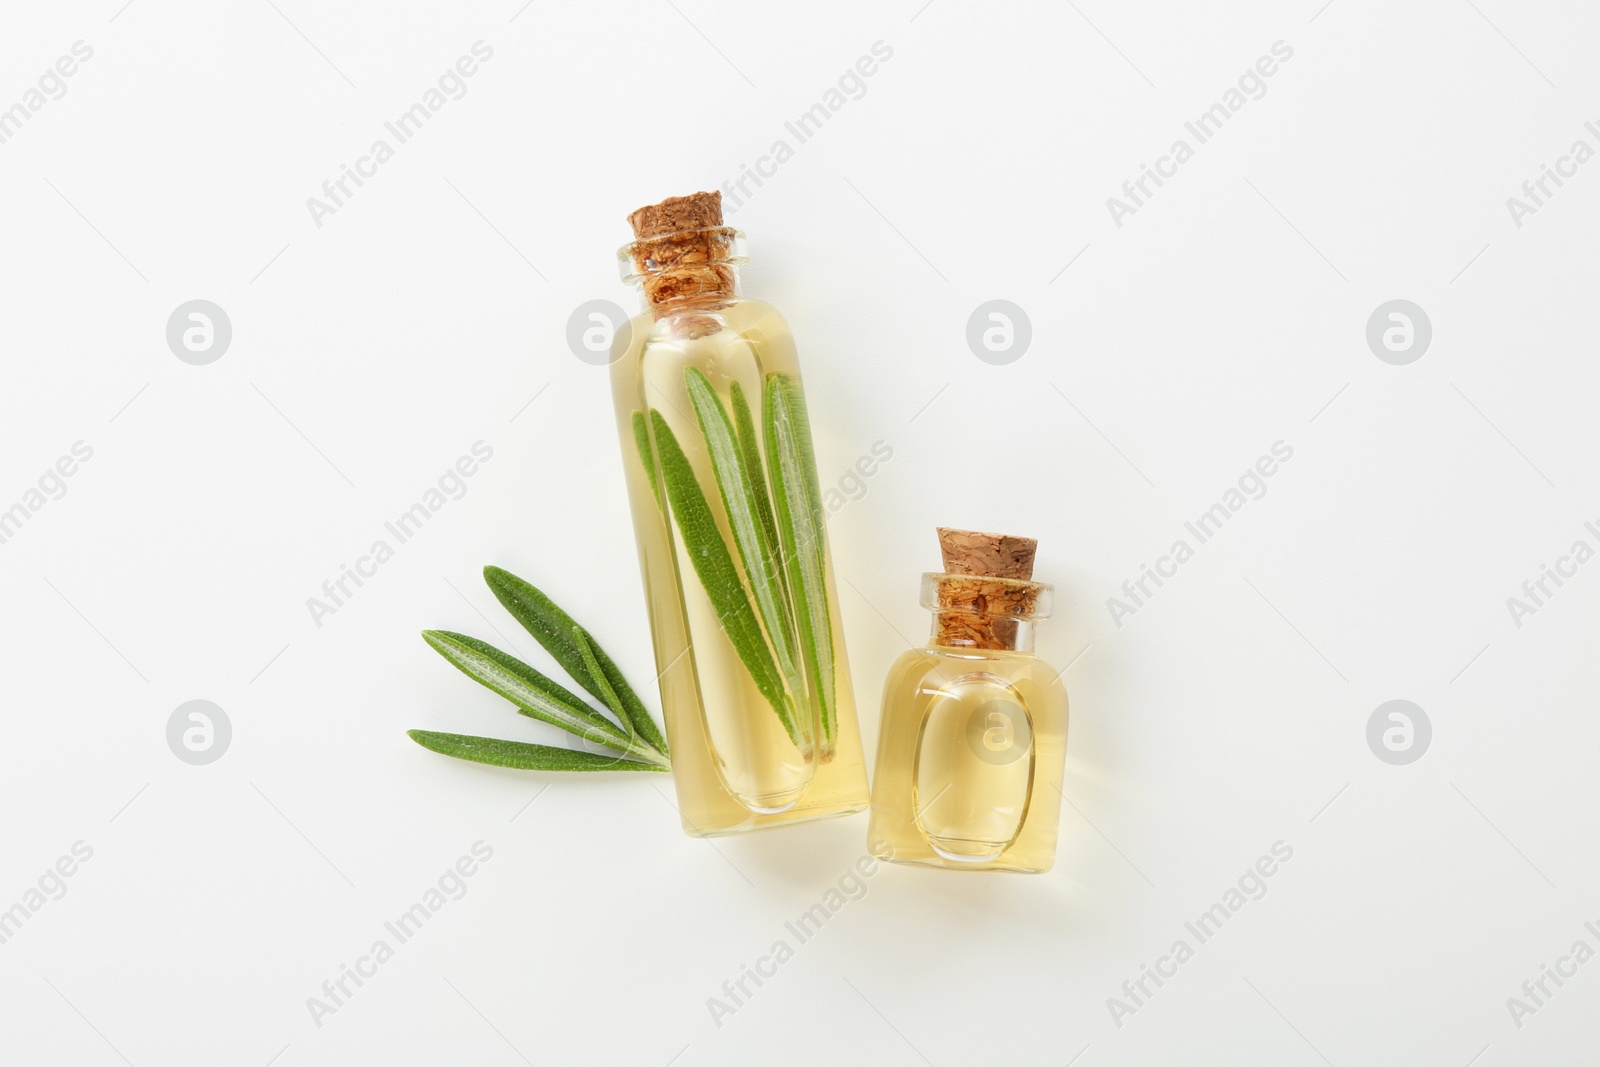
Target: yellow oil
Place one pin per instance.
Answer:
(734, 766)
(971, 752)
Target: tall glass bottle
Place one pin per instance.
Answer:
(716, 447)
(973, 740)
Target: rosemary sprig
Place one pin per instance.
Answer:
(750, 449)
(792, 468)
(741, 489)
(634, 734)
(554, 630)
(523, 755)
(712, 561)
(773, 508)
(641, 441)
(587, 649)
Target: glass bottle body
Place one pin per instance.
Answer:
(756, 696)
(971, 752)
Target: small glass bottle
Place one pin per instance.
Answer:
(973, 740)
(727, 512)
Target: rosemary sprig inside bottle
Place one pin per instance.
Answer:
(629, 731)
(784, 639)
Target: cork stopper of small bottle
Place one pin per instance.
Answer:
(986, 587)
(680, 249)
(994, 555)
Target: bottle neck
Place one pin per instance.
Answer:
(978, 611)
(685, 270)
(965, 629)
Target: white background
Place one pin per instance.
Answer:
(1229, 713)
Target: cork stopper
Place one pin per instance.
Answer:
(986, 588)
(995, 555)
(697, 211)
(681, 250)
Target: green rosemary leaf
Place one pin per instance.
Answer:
(522, 755)
(740, 495)
(552, 628)
(534, 695)
(608, 694)
(793, 470)
(641, 439)
(709, 555)
(750, 449)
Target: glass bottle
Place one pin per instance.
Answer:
(973, 739)
(727, 512)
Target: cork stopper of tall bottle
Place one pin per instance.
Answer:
(681, 250)
(987, 586)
